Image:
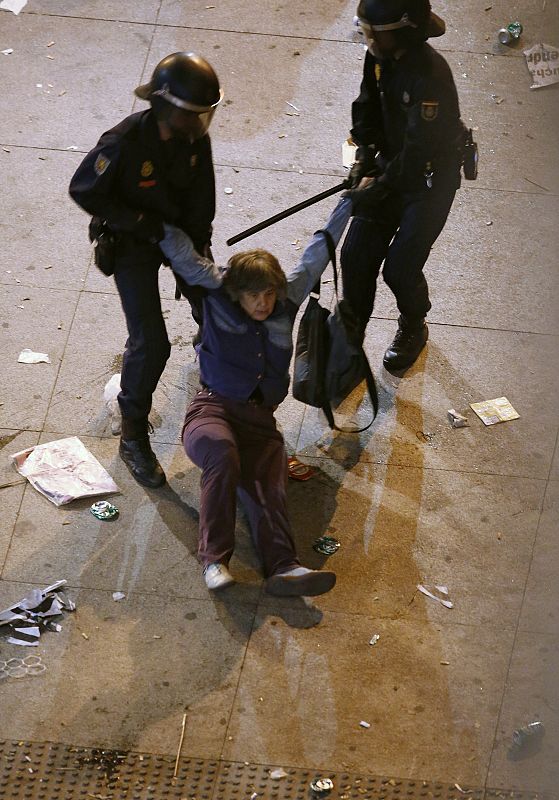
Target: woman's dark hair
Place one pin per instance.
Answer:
(254, 271)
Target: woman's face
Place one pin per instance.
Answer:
(258, 305)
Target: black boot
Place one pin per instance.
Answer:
(408, 343)
(135, 450)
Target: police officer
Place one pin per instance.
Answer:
(153, 167)
(406, 124)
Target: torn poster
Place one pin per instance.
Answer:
(28, 617)
(542, 61)
(491, 412)
(63, 471)
(13, 5)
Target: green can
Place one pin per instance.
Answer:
(104, 510)
(326, 545)
(511, 33)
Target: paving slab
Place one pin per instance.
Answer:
(458, 367)
(404, 526)
(303, 694)
(12, 484)
(540, 609)
(38, 320)
(531, 694)
(488, 269)
(150, 548)
(127, 11)
(45, 243)
(78, 104)
(153, 651)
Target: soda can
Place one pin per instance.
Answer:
(528, 735)
(321, 787)
(104, 510)
(326, 545)
(511, 33)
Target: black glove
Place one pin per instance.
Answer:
(149, 226)
(365, 166)
(366, 201)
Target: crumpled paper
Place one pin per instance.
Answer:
(63, 471)
(28, 616)
(438, 593)
(30, 357)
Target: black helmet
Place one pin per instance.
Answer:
(185, 80)
(394, 15)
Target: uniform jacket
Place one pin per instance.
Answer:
(240, 356)
(408, 108)
(132, 171)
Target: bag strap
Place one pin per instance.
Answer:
(369, 377)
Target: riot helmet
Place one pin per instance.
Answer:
(184, 93)
(410, 20)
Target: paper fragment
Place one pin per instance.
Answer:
(365, 724)
(438, 593)
(118, 596)
(13, 5)
(542, 61)
(277, 774)
(29, 357)
(457, 420)
(374, 638)
(8, 51)
(29, 616)
(491, 412)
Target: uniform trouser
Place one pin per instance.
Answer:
(240, 452)
(147, 346)
(400, 233)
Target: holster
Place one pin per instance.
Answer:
(104, 240)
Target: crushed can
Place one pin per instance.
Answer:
(511, 33)
(526, 739)
(321, 787)
(104, 510)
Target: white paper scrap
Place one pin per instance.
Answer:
(542, 61)
(118, 596)
(374, 638)
(491, 412)
(365, 724)
(29, 357)
(64, 470)
(438, 593)
(8, 51)
(13, 5)
(277, 774)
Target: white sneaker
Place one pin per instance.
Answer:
(217, 576)
(300, 581)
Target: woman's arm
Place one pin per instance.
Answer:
(187, 262)
(315, 259)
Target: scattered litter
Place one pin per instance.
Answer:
(456, 420)
(438, 593)
(445, 663)
(19, 668)
(13, 5)
(63, 470)
(118, 596)
(491, 412)
(526, 740)
(282, 135)
(297, 470)
(277, 774)
(321, 787)
(62, 92)
(489, 223)
(510, 34)
(183, 726)
(498, 100)
(8, 51)
(326, 545)
(29, 616)
(72, 147)
(228, 190)
(104, 510)
(463, 791)
(374, 638)
(292, 106)
(7, 150)
(254, 795)
(29, 357)
(543, 65)
(365, 724)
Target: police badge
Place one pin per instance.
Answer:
(101, 164)
(429, 110)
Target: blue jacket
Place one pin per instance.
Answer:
(239, 355)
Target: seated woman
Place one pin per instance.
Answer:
(229, 430)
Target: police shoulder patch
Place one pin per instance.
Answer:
(147, 169)
(429, 110)
(101, 164)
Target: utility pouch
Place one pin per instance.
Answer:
(469, 157)
(104, 240)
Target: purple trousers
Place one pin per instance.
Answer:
(240, 452)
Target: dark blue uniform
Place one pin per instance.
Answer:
(135, 181)
(408, 109)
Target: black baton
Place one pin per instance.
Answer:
(287, 213)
